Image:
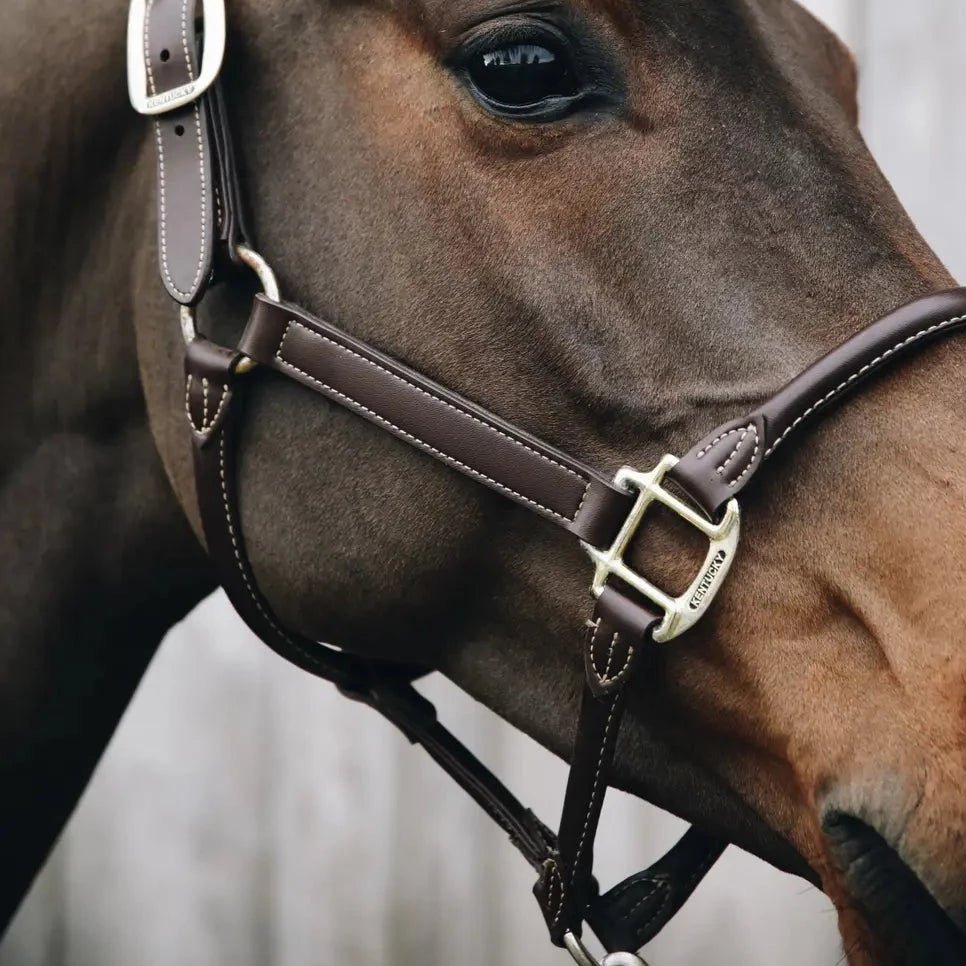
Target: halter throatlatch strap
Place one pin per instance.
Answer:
(173, 77)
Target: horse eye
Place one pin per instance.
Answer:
(522, 75)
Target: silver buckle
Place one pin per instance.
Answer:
(137, 80)
(582, 956)
(680, 613)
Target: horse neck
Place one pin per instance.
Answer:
(98, 561)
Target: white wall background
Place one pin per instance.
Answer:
(246, 815)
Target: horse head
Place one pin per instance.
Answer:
(615, 224)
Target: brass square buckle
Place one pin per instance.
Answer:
(137, 80)
(680, 613)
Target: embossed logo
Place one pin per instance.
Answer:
(169, 96)
(707, 581)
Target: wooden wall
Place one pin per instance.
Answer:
(246, 815)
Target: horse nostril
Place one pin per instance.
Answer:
(890, 895)
(860, 850)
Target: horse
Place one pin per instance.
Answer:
(676, 216)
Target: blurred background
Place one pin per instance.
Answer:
(245, 814)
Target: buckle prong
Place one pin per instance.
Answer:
(680, 613)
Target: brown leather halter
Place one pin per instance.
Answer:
(201, 234)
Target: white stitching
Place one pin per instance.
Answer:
(308, 656)
(583, 499)
(744, 435)
(655, 886)
(162, 185)
(610, 655)
(657, 912)
(604, 678)
(556, 877)
(627, 664)
(187, 401)
(184, 40)
(464, 412)
(717, 439)
(209, 425)
(594, 788)
(743, 431)
(204, 196)
(593, 644)
(921, 334)
(221, 405)
(217, 413)
(751, 462)
(147, 46)
(633, 882)
(416, 439)
(702, 868)
(204, 403)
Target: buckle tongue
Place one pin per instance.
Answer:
(161, 102)
(680, 613)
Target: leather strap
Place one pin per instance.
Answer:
(727, 459)
(567, 890)
(438, 421)
(631, 914)
(229, 209)
(199, 208)
(211, 385)
(615, 641)
(186, 209)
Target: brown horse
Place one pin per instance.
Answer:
(689, 220)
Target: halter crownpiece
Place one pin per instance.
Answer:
(201, 233)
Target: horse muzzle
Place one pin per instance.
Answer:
(913, 924)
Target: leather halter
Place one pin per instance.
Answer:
(201, 233)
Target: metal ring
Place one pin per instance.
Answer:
(623, 959)
(582, 956)
(266, 277)
(267, 280)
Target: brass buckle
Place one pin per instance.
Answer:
(680, 613)
(211, 61)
